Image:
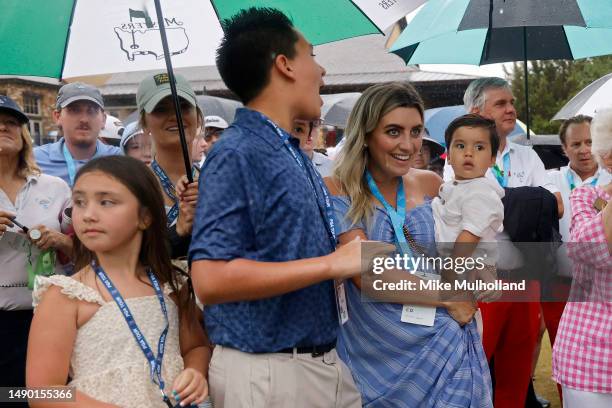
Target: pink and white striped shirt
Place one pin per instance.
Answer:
(582, 355)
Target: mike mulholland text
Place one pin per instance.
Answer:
(478, 285)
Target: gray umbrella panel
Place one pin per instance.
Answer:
(534, 13)
(573, 107)
(210, 105)
(337, 108)
(213, 105)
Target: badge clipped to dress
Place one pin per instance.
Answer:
(422, 315)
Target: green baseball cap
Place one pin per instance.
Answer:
(156, 87)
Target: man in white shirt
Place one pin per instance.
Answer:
(510, 329)
(575, 135)
(516, 165)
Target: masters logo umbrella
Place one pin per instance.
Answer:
(480, 32)
(79, 38)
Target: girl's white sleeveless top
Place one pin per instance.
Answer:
(107, 364)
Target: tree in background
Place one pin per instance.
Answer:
(551, 84)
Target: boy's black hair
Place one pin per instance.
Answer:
(473, 120)
(252, 40)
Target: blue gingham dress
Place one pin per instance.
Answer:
(397, 364)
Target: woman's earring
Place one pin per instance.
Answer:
(365, 145)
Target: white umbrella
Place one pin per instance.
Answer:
(596, 96)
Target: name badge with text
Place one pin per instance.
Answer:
(423, 315)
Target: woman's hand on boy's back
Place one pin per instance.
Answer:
(187, 194)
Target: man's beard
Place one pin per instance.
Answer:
(84, 143)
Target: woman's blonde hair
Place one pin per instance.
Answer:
(601, 134)
(26, 165)
(372, 105)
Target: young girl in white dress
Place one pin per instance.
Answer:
(123, 330)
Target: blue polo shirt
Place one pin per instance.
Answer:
(50, 158)
(256, 203)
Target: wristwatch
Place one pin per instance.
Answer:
(35, 234)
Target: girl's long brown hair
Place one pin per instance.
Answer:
(154, 252)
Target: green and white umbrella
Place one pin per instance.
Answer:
(76, 38)
(79, 38)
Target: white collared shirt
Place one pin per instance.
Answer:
(473, 205)
(40, 201)
(526, 168)
(559, 178)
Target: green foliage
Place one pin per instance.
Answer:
(551, 84)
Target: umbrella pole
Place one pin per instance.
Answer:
(177, 105)
(526, 78)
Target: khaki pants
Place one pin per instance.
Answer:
(279, 380)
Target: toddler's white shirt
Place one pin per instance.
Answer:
(474, 205)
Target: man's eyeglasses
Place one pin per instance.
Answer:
(313, 124)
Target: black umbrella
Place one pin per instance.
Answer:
(480, 32)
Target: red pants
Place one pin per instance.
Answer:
(510, 334)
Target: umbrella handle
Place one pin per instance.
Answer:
(526, 70)
(177, 105)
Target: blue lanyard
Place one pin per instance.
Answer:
(168, 189)
(398, 217)
(69, 164)
(502, 175)
(570, 180)
(155, 364)
(327, 212)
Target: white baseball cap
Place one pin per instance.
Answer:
(113, 129)
(215, 122)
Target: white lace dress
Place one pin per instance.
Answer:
(106, 362)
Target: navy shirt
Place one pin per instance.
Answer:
(256, 203)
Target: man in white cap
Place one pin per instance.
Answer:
(112, 131)
(213, 127)
(80, 115)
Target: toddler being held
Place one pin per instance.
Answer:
(469, 212)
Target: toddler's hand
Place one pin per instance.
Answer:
(487, 275)
(190, 387)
